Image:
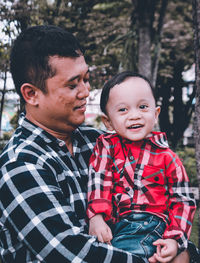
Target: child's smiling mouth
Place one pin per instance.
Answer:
(135, 126)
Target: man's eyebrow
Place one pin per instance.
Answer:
(73, 78)
(76, 77)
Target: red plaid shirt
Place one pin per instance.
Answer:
(126, 176)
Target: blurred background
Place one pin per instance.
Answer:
(154, 38)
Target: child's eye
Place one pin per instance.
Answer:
(143, 107)
(86, 80)
(122, 109)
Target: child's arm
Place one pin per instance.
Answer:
(100, 181)
(166, 250)
(99, 228)
(181, 203)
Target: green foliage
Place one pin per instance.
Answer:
(7, 135)
(195, 230)
(109, 32)
(4, 139)
(187, 156)
(106, 6)
(14, 121)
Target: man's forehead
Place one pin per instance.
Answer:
(72, 66)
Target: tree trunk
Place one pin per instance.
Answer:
(196, 20)
(144, 44)
(178, 105)
(149, 31)
(158, 37)
(164, 117)
(2, 99)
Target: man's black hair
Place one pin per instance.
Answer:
(117, 79)
(29, 60)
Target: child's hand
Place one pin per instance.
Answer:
(166, 250)
(99, 228)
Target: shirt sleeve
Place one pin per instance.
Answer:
(181, 203)
(42, 219)
(100, 181)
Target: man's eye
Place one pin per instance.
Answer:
(143, 107)
(72, 86)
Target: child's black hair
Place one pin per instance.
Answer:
(117, 79)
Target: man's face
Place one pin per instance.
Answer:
(62, 108)
(131, 109)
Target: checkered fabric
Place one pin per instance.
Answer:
(43, 200)
(126, 177)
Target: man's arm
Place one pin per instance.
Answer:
(36, 211)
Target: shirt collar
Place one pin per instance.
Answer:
(159, 139)
(39, 133)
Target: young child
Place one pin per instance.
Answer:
(135, 181)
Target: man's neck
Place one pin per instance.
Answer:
(64, 136)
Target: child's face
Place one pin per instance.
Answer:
(131, 109)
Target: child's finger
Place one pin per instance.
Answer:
(163, 259)
(152, 259)
(158, 250)
(100, 238)
(106, 236)
(110, 236)
(159, 242)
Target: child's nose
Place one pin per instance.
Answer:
(134, 114)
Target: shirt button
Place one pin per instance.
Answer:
(145, 223)
(156, 178)
(131, 158)
(118, 197)
(61, 144)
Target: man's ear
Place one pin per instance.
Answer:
(106, 121)
(30, 93)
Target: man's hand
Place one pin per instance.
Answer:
(99, 228)
(165, 252)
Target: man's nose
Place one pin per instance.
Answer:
(84, 90)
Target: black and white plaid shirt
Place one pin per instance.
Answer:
(43, 200)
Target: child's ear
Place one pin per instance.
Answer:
(106, 121)
(157, 112)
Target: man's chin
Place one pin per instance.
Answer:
(76, 125)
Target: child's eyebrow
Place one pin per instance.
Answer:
(120, 105)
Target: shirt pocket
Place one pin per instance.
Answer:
(154, 183)
(153, 176)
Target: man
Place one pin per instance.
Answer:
(44, 167)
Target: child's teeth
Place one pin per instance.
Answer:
(135, 126)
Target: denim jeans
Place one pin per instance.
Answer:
(137, 232)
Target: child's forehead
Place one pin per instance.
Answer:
(135, 79)
(133, 83)
(134, 89)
